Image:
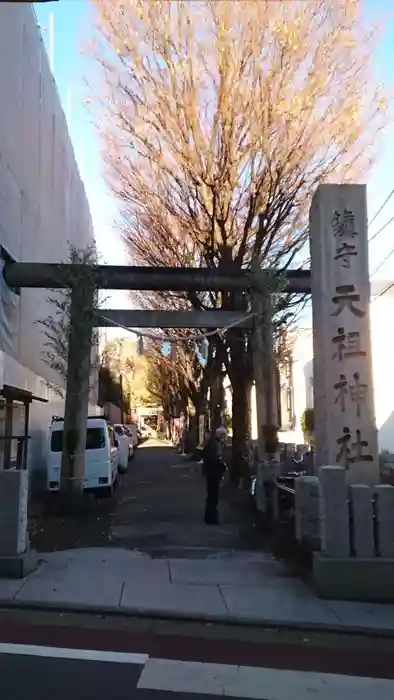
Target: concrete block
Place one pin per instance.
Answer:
(307, 511)
(362, 579)
(334, 512)
(19, 565)
(363, 528)
(266, 472)
(14, 488)
(385, 519)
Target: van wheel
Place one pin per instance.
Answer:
(108, 492)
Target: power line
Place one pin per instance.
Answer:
(381, 229)
(383, 292)
(387, 257)
(382, 207)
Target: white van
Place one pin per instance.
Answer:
(129, 435)
(133, 432)
(125, 446)
(101, 456)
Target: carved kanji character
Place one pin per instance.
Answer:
(358, 392)
(342, 389)
(343, 224)
(346, 296)
(348, 345)
(352, 452)
(344, 253)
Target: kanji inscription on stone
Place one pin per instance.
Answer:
(352, 451)
(344, 253)
(348, 344)
(354, 391)
(342, 366)
(347, 297)
(343, 224)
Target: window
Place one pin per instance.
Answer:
(118, 430)
(95, 439)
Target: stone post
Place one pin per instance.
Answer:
(16, 558)
(385, 519)
(334, 512)
(307, 511)
(362, 509)
(345, 428)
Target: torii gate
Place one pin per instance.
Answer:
(58, 276)
(343, 390)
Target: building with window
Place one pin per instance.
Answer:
(43, 209)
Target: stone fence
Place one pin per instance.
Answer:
(353, 527)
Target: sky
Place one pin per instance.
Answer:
(71, 65)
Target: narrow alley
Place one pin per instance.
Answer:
(158, 510)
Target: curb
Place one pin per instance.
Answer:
(206, 618)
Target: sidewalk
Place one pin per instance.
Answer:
(242, 588)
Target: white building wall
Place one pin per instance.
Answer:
(43, 206)
(382, 337)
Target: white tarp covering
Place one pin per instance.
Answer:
(9, 317)
(43, 205)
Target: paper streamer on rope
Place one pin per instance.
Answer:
(204, 345)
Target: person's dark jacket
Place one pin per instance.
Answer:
(213, 464)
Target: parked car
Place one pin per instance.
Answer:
(132, 428)
(130, 436)
(125, 447)
(101, 456)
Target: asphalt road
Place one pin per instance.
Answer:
(45, 678)
(61, 679)
(158, 509)
(51, 655)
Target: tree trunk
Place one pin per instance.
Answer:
(216, 398)
(240, 419)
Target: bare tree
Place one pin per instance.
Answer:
(56, 326)
(176, 378)
(217, 111)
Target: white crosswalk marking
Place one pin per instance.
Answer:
(259, 683)
(76, 654)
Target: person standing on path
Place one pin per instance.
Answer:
(213, 470)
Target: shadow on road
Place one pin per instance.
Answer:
(157, 509)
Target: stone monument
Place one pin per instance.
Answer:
(345, 428)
